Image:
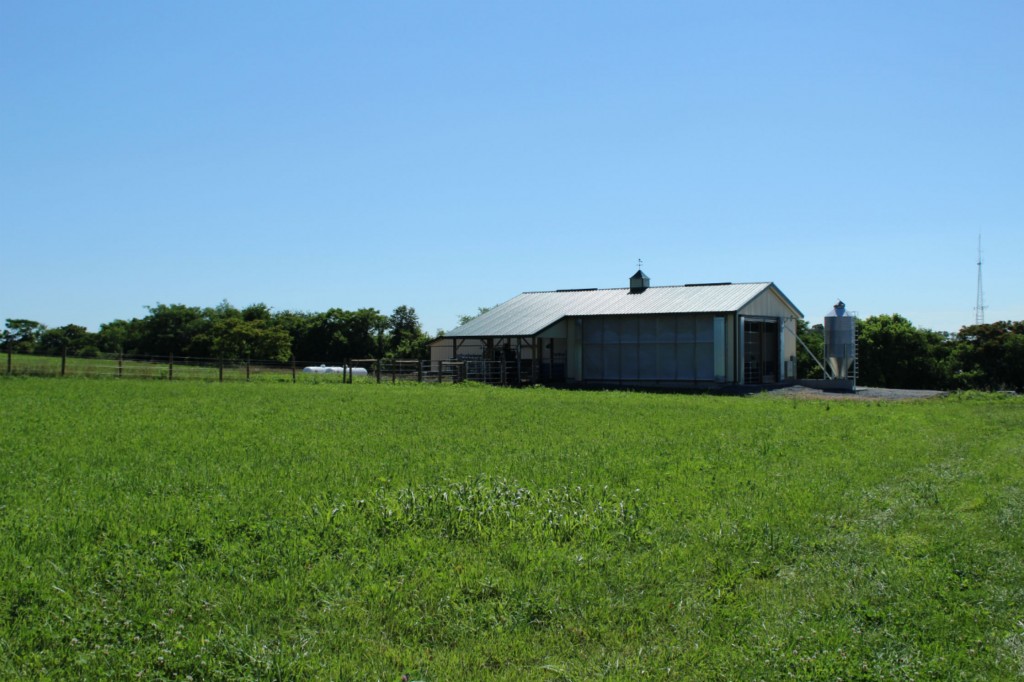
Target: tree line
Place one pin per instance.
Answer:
(225, 331)
(893, 353)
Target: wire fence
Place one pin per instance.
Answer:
(186, 368)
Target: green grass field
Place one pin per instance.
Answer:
(205, 531)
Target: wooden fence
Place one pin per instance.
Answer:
(179, 368)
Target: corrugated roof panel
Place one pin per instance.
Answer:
(529, 313)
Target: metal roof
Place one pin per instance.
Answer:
(530, 313)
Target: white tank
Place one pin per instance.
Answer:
(326, 369)
(840, 341)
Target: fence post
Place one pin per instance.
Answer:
(170, 367)
(377, 365)
(8, 357)
(247, 361)
(63, 360)
(120, 364)
(293, 369)
(419, 371)
(220, 370)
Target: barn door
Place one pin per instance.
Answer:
(760, 351)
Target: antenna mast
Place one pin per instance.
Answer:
(979, 306)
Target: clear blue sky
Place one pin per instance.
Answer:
(450, 155)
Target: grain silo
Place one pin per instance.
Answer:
(841, 343)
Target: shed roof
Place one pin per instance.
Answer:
(530, 313)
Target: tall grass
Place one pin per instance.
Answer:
(272, 531)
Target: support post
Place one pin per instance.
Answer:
(9, 358)
(220, 371)
(120, 365)
(170, 367)
(519, 360)
(293, 369)
(247, 362)
(63, 360)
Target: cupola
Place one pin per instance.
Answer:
(639, 282)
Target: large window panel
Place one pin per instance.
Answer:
(611, 364)
(629, 367)
(719, 348)
(612, 334)
(628, 329)
(685, 330)
(647, 361)
(593, 362)
(666, 329)
(647, 329)
(653, 348)
(705, 361)
(705, 328)
(666, 360)
(685, 358)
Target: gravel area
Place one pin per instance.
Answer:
(862, 393)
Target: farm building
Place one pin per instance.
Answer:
(692, 335)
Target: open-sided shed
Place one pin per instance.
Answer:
(671, 336)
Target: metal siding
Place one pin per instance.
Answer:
(767, 304)
(789, 341)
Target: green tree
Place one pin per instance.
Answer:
(991, 356)
(406, 338)
(222, 310)
(337, 335)
(120, 336)
(297, 326)
(21, 336)
(257, 312)
(234, 337)
(71, 337)
(814, 339)
(893, 353)
(174, 329)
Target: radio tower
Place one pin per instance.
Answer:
(979, 307)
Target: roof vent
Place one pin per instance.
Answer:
(639, 282)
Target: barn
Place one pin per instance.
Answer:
(691, 335)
